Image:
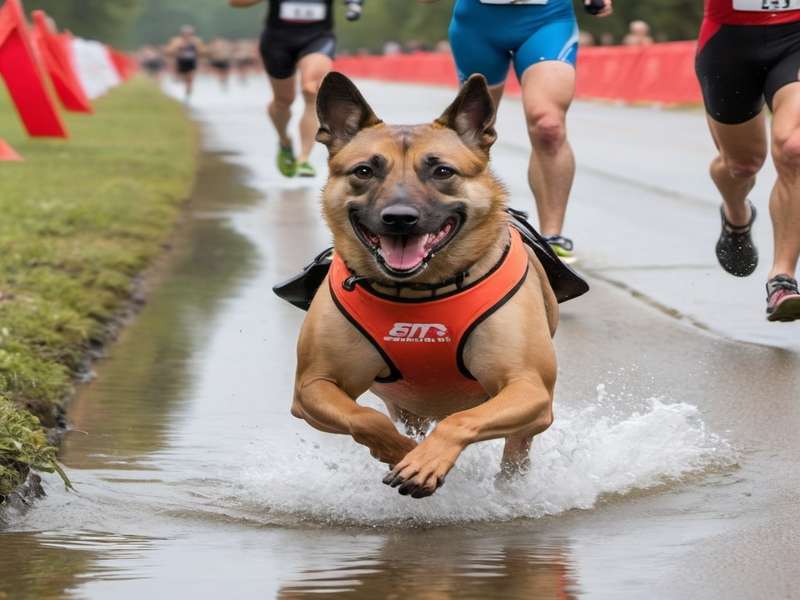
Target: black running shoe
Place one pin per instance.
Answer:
(735, 250)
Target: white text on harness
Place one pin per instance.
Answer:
(418, 332)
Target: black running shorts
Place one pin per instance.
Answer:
(221, 65)
(153, 65)
(742, 66)
(186, 65)
(281, 50)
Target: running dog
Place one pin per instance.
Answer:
(432, 300)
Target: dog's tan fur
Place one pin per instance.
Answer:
(510, 353)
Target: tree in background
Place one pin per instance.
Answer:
(106, 20)
(401, 21)
(159, 20)
(383, 20)
(668, 19)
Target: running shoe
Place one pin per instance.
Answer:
(304, 169)
(783, 299)
(287, 164)
(736, 252)
(563, 247)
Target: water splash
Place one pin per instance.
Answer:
(587, 454)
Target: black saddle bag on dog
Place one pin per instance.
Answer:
(566, 283)
(300, 289)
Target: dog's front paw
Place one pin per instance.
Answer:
(423, 470)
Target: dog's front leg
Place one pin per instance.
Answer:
(520, 410)
(326, 406)
(335, 366)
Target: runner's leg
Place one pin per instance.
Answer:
(313, 68)
(473, 53)
(547, 91)
(280, 107)
(784, 203)
(496, 92)
(742, 151)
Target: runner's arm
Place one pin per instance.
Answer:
(172, 47)
(202, 49)
(243, 3)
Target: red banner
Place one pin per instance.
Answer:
(21, 73)
(660, 73)
(124, 64)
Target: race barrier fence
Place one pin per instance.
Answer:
(659, 73)
(37, 60)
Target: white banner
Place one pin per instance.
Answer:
(95, 69)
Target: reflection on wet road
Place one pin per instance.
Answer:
(439, 564)
(671, 463)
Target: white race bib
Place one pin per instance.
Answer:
(303, 12)
(513, 1)
(766, 5)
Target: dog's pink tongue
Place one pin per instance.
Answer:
(403, 253)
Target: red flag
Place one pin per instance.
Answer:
(55, 52)
(23, 78)
(123, 63)
(7, 152)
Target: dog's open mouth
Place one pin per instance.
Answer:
(403, 256)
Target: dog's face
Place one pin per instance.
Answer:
(409, 203)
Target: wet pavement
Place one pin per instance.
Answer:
(670, 471)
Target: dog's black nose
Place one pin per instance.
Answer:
(400, 217)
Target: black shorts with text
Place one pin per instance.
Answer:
(740, 67)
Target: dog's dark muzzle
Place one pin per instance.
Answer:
(402, 239)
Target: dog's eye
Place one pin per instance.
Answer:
(363, 172)
(442, 172)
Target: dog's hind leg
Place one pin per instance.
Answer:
(516, 456)
(415, 426)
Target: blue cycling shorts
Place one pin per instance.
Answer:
(485, 38)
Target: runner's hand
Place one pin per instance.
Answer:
(354, 8)
(592, 7)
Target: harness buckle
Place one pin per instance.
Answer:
(350, 283)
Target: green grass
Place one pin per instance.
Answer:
(79, 219)
(23, 446)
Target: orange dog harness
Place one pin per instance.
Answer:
(422, 340)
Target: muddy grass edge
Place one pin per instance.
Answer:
(94, 215)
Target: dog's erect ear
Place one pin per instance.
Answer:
(342, 112)
(471, 115)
